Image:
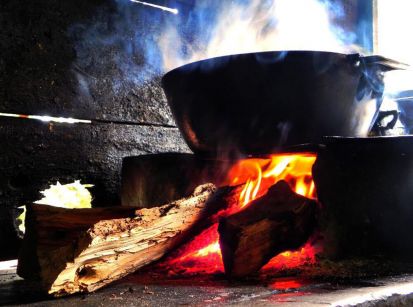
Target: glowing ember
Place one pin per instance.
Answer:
(203, 254)
(291, 259)
(210, 249)
(286, 284)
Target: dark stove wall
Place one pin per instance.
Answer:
(74, 58)
(57, 58)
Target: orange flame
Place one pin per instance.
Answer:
(261, 174)
(203, 254)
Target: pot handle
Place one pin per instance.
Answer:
(384, 63)
(380, 130)
(372, 68)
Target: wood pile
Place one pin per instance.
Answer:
(82, 250)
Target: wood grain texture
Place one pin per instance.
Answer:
(82, 250)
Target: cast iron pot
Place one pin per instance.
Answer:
(254, 103)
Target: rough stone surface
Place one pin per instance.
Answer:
(80, 59)
(144, 290)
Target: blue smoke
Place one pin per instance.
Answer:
(123, 36)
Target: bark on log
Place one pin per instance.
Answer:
(81, 250)
(278, 221)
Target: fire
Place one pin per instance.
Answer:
(210, 249)
(260, 174)
(291, 259)
(203, 254)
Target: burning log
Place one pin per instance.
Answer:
(280, 220)
(81, 250)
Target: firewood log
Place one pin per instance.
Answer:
(81, 250)
(276, 222)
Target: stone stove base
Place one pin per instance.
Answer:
(143, 289)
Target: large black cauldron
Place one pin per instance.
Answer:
(254, 103)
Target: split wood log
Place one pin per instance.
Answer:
(81, 250)
(280, 220)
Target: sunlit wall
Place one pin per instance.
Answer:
(394, 29)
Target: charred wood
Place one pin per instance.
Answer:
(278, 221)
